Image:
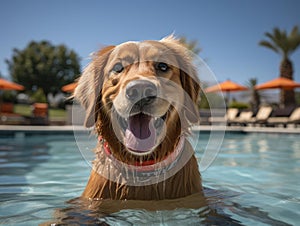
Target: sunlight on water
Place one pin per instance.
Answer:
(253, 181)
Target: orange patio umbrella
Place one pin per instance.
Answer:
(227, 86)
(282, 83)
(7, 85)
(70, 87)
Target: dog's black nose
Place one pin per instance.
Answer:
(141, 91)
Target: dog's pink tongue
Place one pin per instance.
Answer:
(140, 135)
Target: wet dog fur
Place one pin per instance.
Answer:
(102, 90)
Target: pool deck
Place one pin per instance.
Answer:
(249, 129)
(70, 129)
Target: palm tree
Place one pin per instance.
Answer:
(254, 94)
(284, 44)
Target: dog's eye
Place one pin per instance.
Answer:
(118, 68)
(162, 67)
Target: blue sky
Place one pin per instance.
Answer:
(228, 31)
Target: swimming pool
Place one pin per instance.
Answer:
(254, 180)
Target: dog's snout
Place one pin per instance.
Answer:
(141, 91)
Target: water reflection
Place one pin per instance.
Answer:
(19, 157)
(262, 146)
(135, 212)
(221, 210)
(263, 165)
(254, 180)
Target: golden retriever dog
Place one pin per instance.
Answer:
(141, 99)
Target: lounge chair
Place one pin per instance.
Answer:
(231, 114)
(40, 110)
(242, 119)
(8, 117)
(262, 116)
(7, 108)
(39, 114)
(294, 118)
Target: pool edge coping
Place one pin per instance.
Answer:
(204, 128)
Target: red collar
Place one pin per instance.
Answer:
(150, 164)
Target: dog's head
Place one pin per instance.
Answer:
(141, 97)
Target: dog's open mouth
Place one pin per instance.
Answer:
(141, 132)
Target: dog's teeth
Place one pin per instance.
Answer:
(123, 122)
(126, 122)
(157, 122)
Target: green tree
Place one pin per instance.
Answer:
(284, 44)
(191, 45)
(45, 66)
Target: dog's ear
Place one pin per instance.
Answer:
(191, 85)
(188, 77)
(90, 85)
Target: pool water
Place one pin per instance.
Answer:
(254, 180)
